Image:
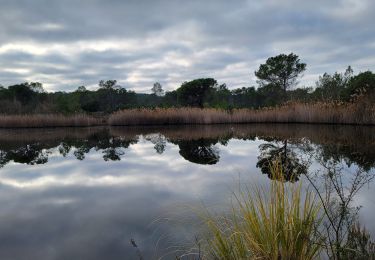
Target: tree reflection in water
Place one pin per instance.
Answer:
(201, 151)
(282, 154)
(336, 185)
(112, 147)
(197, 144)
(38, 152)
(159, 141)
(3, 158)
(29, 154)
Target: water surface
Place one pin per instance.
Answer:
(84, 193)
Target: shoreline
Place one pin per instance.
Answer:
(317, 114)
(187, 124)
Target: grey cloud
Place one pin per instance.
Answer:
(173, 41)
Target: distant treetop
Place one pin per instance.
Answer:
(281, 70)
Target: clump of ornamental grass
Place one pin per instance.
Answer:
(278, 222)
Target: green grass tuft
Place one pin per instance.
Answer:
(279, 222)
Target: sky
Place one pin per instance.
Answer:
(65, 44)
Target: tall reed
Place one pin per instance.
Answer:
(276, 223)
(49, 120)
(321, 113)
(360, 113)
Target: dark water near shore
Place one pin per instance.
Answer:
(71, 193)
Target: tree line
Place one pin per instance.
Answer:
(277, 84)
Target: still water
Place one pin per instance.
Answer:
(72, 193)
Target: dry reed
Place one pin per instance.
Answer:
(50, 120)
(318, 113)
(360, 113)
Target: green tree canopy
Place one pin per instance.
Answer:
(109, 84)
(332, 87)
(193, 93)
(81, 89)
(362, 83)
(281, 70)
(26, 92)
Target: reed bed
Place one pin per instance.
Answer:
(169, 116)
(317, 113)
(359, 113)
(50, 120)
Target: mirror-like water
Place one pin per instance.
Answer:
(84, 193)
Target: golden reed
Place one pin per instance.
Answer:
(48, 120)
(317, 113)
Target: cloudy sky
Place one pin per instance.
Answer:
(68, 43)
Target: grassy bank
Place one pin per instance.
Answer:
(317, 113)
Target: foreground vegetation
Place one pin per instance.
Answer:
(279, 223)
(284, 221)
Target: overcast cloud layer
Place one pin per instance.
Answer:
(68, 43)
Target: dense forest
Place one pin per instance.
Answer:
(277, 84)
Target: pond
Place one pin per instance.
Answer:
(86, 193)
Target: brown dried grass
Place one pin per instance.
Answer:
(317, 113)
(360, 113)
(49, 120)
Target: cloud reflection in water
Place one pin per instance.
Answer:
(67, 208)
